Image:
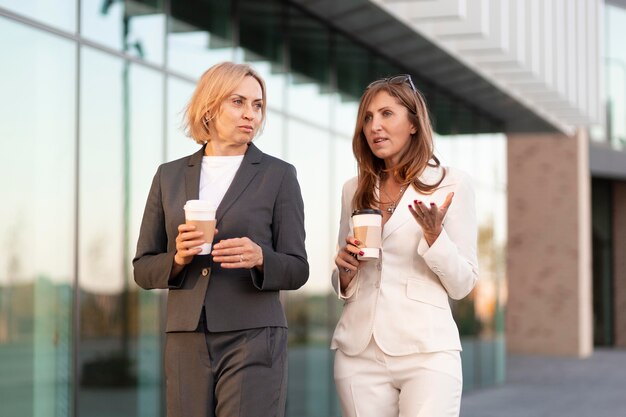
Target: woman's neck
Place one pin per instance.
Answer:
(214, 149)
(390, 177)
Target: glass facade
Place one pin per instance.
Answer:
(92, 98)
(615, 76)
(605, 253)
(604, 308)
(38, 276)
(480, 316)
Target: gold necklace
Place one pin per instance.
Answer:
(394, 203)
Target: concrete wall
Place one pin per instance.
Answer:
(549, 308)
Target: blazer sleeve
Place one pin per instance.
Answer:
(153, 263)
(453, 257)
(285, 265)
(344, 231)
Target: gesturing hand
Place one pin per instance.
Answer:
(430, 218)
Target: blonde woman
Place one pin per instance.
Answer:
(397, 346)
(226, 332)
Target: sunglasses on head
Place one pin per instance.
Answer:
(396, 79)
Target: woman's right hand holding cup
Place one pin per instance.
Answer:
(347, 262)
(188, 244)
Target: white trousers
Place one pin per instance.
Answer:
(374, 384)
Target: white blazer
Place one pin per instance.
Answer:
(402, 298)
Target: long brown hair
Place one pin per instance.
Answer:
(418, 156)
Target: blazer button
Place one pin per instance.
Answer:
(379, 266)
(205, 272)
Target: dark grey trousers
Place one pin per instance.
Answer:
(227, 374)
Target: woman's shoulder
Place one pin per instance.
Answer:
(276, 162)
(455, 175)
(459, 181)
(351, 182)
(452, 175)
(175, 167)
(184, 161)
(350, 185)
(276, 167)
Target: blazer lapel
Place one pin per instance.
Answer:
(401, 214)
(192, 175)
(246, 172)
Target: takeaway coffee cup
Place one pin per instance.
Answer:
(202, 214)
(367, 224)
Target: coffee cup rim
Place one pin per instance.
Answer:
(366, 211)
(199, 205)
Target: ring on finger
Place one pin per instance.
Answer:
(241, 259)
(346, 269)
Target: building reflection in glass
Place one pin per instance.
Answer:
(37, 163)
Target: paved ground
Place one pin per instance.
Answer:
(555, 387)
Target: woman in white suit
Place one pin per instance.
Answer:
(397, 345)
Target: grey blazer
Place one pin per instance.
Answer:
(263, 203)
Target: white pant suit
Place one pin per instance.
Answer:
(398, 347)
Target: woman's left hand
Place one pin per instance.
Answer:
(430, 218)
(238, 252)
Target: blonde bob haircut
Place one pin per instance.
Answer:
(418, 156)
(215, 85)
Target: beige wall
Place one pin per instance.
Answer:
(619, 261)
(549, 308)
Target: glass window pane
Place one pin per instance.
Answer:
(351, 60)
(145, 145)
(466, 119)
(37, 178)
(343, 116)
(310, 154)
(199, 35)
(615, 75)
(603, 246)
(382, 68)
(442, 110)
(136, 27)
(121, 146)
(310, 363)
(178, 95)
(260, 28)
(308, 100)
(275, 78)
(104, 359)
(479, 316)
(309, 57)
(352, 80)
(261, 44)
(271, 139)
(58, 13)
(344, 168)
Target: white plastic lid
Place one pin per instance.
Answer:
(199, 205)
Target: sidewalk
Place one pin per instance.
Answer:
(555, 387)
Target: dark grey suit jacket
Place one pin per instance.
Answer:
(263, 203)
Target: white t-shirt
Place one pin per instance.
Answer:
(216, 176)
